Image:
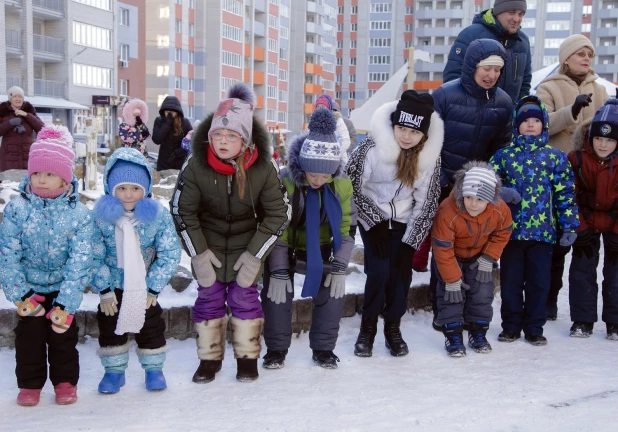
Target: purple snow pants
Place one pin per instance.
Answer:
(244, 303)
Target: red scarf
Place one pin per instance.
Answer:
(226, 168)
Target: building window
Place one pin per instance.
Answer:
(270, 114)
(340, 10)
(553, 43)
(273, 45)
(124, 17)
(353, 27)
(409, 27)
(339, 27)
(230, 32)
(191, 29)
(528, 23)
(339, 61)
(585, 28)
(233, 6)
(354, 10)
(353, 61)
(273, 21)
(378, 76)
(178, 83)
(559, 7)
(100, 4)
(191, 112)
(557, 25)
(379, 59)
(284, 32)
(123, 87)
(338, 95)
(283, 75)
(283, 54)
(283, 96)
(191, 84)
(371, 92)
(178, 54)
(549, 60)
(191, 59)
(178, 2)
(353, 78)
(338, 78)
(275, 2)
(380, 25)
(272, 68)
(282, 117)
(92, 76)
(272, 92)
(352, 95)
(352, 44)
(124, 52)
(231, 59)
(91, 36)
(381, 7)
(339, 44)
(191, 4)
(380, 42)
(587, 10)
(178, 26)
(226, 83)
(284, 11)
(409, 10)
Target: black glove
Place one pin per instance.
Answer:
(138, 121)
(581, 101)
(15, 121)
(583, 244)
(145, 133)
(611, 247)
(379, 239)
(403, 260)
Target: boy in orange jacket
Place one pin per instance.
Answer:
(470, 230)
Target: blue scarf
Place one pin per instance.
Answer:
(334, 214)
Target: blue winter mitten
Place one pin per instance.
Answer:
(486, 266)
(568, 238)
(336, 281)
(510, 195)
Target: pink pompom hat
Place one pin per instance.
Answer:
(53, 152)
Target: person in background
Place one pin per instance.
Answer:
(169, 129)
(133, 131)
(342, 133)
(571, 96)
(18, 121)
(350, 126)
(186, 141)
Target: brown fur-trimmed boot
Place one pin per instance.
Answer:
(246, 338)
(210, 348)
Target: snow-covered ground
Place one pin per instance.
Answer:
(569, 385)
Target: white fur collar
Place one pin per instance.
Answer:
(388, 149)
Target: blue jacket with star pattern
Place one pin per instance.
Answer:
(45, 246)
(543, 177)
(157, 235)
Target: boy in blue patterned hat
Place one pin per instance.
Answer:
(540, 190)
(138, 253)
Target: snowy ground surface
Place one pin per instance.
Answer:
(569, 385)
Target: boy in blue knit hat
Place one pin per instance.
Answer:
(138, 252)
(318, 243)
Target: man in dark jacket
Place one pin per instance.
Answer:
(502, 23)
(351, 129)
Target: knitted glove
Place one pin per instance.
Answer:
(31, 306)
(583, 244)
(510, 195)
(379, 239)
(485, 272)
(581, 101)
(248, 268)
(454, 292)
(336, 281)
(151, 300)
(203, 268)
(279, 283)
(403, 260)
(61, 320)
(108, 303)
(567, 239)
(15, 121)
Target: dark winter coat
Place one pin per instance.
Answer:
(171, 153)
(294, 181)
(15, 145)
(543, 177)
(209, 213)
(517, 71)
(477, 122)
(596, 185)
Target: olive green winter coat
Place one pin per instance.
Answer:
(210, 215)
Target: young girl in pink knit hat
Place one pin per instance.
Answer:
(45, 261)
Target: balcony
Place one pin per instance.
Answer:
(47, 48)
(438, 14)
(48, 9)
(258, 77)
(607, 13)
(48, 88)
(437, 31)
(607, 32)
(16, 4)
(13, 43)
(259, 29)
(607, 50)
(314, 69)
(312, 88)
(12, 80)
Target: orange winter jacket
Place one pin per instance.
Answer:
(456, 234)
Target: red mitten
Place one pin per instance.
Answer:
(61, 320)
(31, 306)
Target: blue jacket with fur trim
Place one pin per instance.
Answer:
(45, 246)
(158, 241)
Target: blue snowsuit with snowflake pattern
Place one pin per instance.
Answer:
(544, 178)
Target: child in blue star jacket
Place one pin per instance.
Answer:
(539, 187)
(137, 252)
(45, 263)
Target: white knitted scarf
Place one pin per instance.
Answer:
(133, 310)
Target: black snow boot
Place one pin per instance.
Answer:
(393, 340)
(247, 370)
(206, 371)
(477, 339)
(581, 329)
(508, 336)
(551, 307)
(453, 340)
(536, 339)
(274, 359)
(325, 359)
(612, 332)
(364, 342)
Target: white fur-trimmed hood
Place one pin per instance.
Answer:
(388, 149)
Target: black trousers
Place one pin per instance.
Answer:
(151, 336)
(36, 344)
